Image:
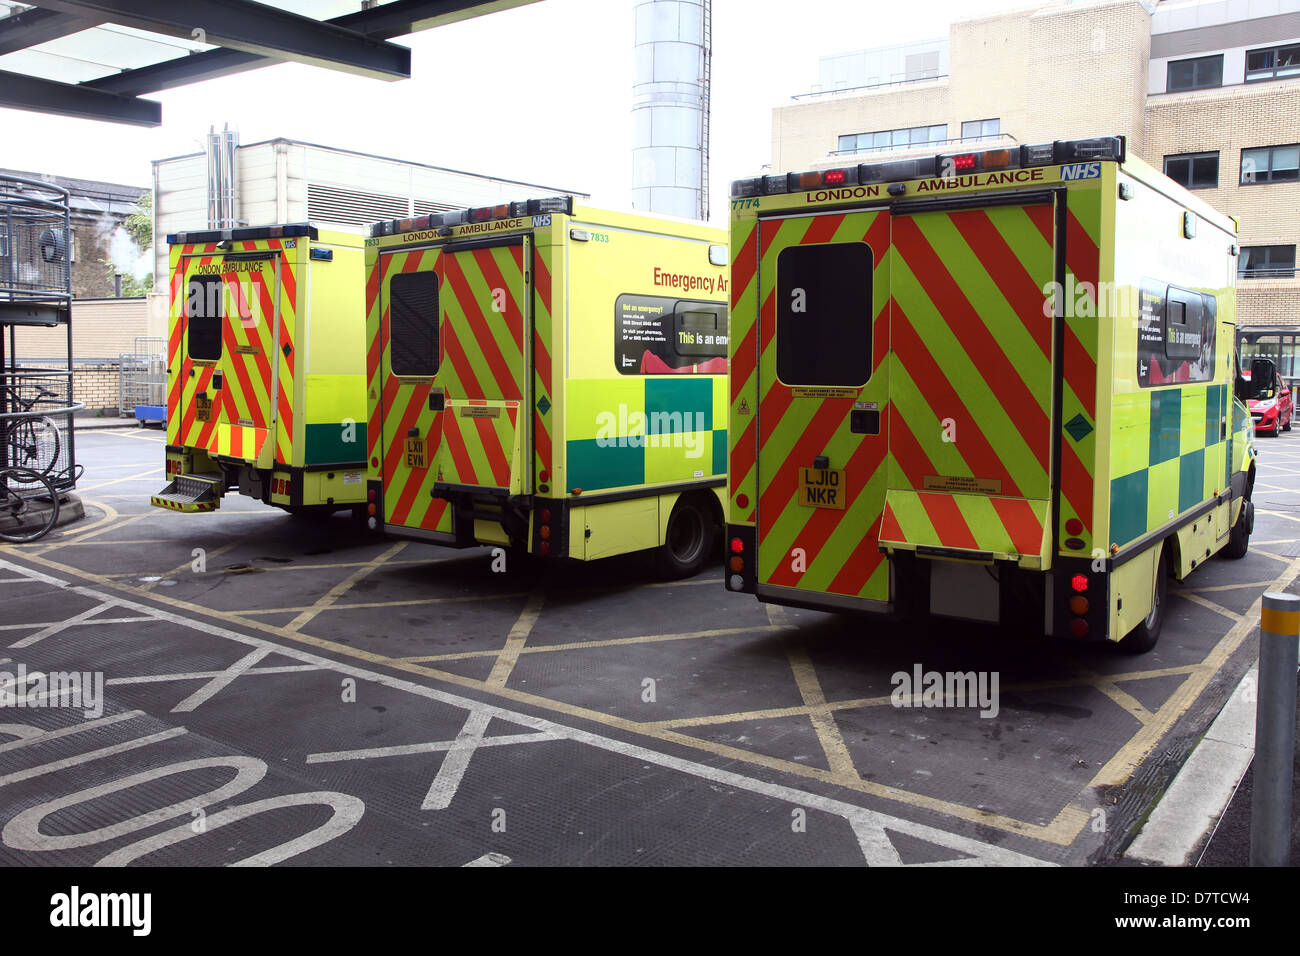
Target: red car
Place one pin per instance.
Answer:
(1273, 410)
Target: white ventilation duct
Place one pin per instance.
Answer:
(670, 107)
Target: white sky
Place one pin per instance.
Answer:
(541, 93)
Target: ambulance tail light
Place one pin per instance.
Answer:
(560, 204)
(1039, 154)
(741, 559)
(964, 162)
(1101, 147)
(1079, 583)
(482, 214)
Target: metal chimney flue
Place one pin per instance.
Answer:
(670, 107)
(223, 180)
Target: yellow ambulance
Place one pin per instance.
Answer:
(265, 369)
(549, 377)
(993, 386)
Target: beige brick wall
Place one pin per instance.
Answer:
(1228, 120)
(1053, 72)
(101, 329)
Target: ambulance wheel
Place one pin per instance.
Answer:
(1239, 540)
(688, 541)
(1143, 637)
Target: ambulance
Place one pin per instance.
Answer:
(549, 378)
(266, 369)
(987, 386)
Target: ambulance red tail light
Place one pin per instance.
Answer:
(1079, 583)
(737, 564)
(482, 214)
(834, 177)
(963, 162)
(737, 546)
(1078, 627)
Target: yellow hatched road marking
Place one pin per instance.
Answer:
(1062, 830)
(582, 645)
(336, 592)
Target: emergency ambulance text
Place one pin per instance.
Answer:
(689, 283)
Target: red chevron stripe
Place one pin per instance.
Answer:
(514, 314)
(1008, 271)
(781, 490)
(743, 267)
(998, 371)
(861, 467)
(949, 523)
(1076, 484)
(822, 229)
(459, 454)
(911, 457)
(496, 456)
(1021, 522)
(936, 389)
(479, 329)
(861, 563)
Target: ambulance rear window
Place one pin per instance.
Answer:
(824, 314)
(203, 315)
(413, 323)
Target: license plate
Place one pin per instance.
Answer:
(415, 457)
(202, 408)
(822, 488)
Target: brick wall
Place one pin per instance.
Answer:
(1228, 120)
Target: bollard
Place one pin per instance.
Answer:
(1270, 805)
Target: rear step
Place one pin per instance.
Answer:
(190, 493)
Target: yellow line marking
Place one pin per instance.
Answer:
(1223, 587)
(110, 515)
(1216, 608)
(98, 529)
(415, 602)
(139, 476)
(583, 645)
(150, 585)
(1062, 830)
(509, 655)
(1269, 554)
(336, 592)
(1111, 689)
(1121, 766)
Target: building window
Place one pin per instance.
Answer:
(1198, 74)
(1270, 164)
(1193, 170)
(4, 244)
(1273, 63)
(1266, 262)
(413, 323)
(981, 129)
(823, 314)
(893, 138)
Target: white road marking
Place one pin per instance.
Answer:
(43, 735)
(859, 818)
(403, 750)
(206, 675)
(99, 754)
(52, 629)
(443, 789)
(489, 859)
(222, 680)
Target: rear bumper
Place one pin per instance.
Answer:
(190, 493)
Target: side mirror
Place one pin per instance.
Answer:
(1263, 373)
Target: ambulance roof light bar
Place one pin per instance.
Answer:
(458, 217)
(929, 167)
(285, 231)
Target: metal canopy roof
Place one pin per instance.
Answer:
(93, 59)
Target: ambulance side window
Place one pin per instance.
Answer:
(413, 323)
(824, 314)
(203, 317)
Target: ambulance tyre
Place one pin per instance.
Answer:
(1239, 540)
(1143, 637)
(688, 541)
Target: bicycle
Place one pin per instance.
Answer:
(29, 505)
(30, 441)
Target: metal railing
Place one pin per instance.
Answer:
(31, 394)
(35, 231)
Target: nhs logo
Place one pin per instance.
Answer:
(540, 222)
(1081, 171)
